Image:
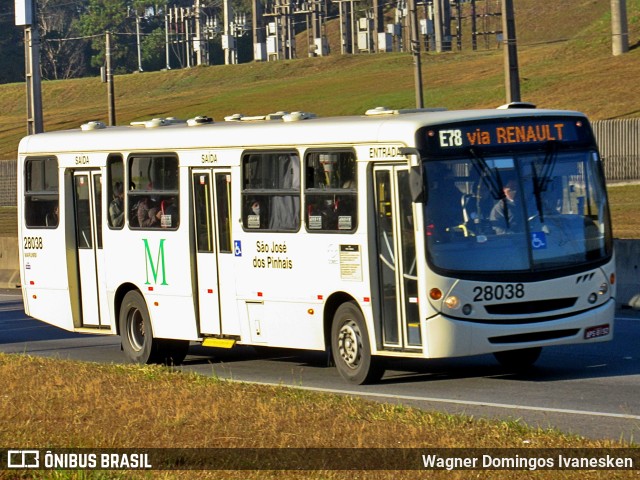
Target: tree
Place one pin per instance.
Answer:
(11, 45)
(63, 55)
(101, 16)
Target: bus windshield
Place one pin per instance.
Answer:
(520, 212)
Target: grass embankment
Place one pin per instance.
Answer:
(53, 404)
(564, 57)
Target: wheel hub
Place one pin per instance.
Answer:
(349, 344)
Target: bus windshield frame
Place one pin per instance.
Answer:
(525, 196)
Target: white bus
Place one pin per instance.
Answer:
(416, 234)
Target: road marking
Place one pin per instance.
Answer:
(457, 402)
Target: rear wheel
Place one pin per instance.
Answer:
(518, 359)
(350, 347)
(136, 334)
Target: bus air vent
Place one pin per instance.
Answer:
(284, 116)
(92, 126)
(199, 120)
(297, 116)
(239, 117)
(390, 111)
(157, 122)
(509, 106)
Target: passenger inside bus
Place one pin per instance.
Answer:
(256, 217)
(506, 215)
(116, 207)
(147, 214)
(51, 219)
(168, 213)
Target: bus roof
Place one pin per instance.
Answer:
(378, 126)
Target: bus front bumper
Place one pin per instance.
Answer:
(449, 337)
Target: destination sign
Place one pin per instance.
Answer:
(513, 133)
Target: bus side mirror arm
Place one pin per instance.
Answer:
(416, 184)
(416, 178)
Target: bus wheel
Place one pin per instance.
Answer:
(135, 329)
(518, 359)
(350, 347)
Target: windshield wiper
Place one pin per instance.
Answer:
(491, 178)
(541, 181)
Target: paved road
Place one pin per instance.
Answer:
(588, 390)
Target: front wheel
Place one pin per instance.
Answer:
(518, 359)
(350, 347)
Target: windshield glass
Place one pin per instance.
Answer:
(517, 212)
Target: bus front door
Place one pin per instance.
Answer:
(396, 259)
(214, 252)
(87, 205)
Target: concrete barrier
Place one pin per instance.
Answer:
(627, 268)
(9, 266)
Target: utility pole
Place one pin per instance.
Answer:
(619, 27)
(26, 16)
(138, 43)
(166, 39)
(111, 106)
(512, 78)
(415, 50)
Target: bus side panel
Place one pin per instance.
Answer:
(285, 280)
(44, 276)
(172, 316)
(158, 263)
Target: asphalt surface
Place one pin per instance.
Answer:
(588, 390)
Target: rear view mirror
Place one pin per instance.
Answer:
(416, 184)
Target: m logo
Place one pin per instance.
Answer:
(156, 267)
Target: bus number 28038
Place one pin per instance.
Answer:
(508, 291)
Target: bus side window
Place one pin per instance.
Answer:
(41, 201)
(330, 191)
(153, 195)
(271, 191)
(115, 185)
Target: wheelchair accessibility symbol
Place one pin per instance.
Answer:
(538, 240)
(237, 248)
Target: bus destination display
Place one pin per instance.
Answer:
(515, 133)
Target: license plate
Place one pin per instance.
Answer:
(599, 331)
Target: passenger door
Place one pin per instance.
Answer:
(214, 252)
(87, 201)
(396, 258)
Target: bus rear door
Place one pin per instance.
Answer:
(87, 204)
(216, 286)
(396, 259)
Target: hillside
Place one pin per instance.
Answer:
(564, 55)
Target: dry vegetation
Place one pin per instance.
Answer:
(63, 404)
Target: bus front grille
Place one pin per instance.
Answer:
(523, 308)
(535, 337)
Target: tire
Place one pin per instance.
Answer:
(135, 329)
(136, 335)
(518, 360)
(350, 347)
